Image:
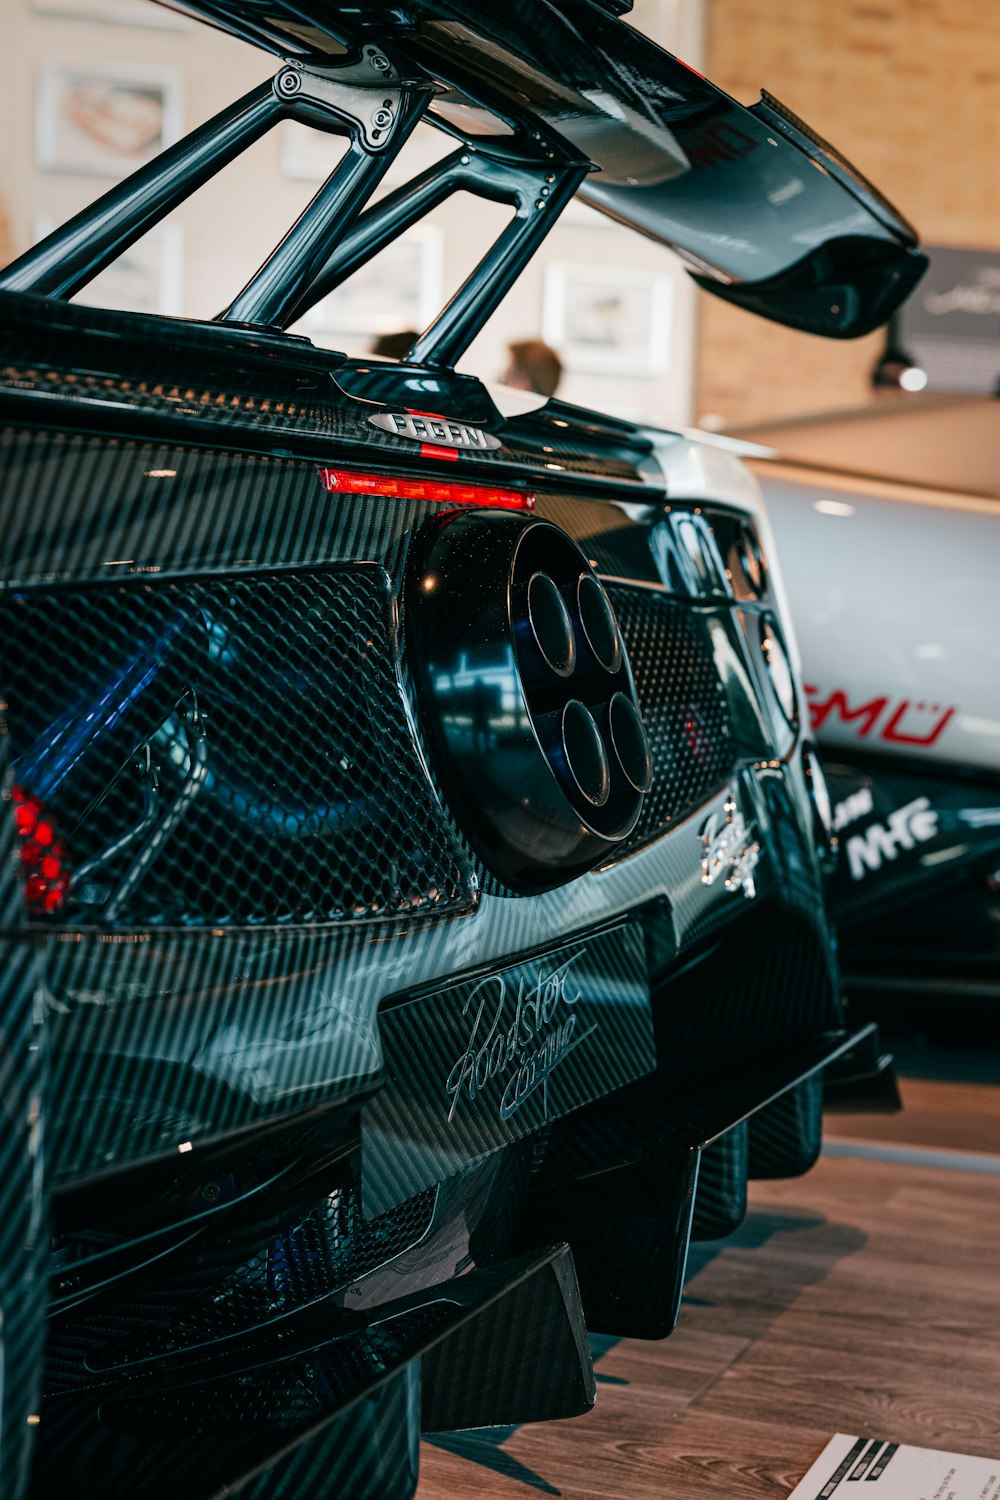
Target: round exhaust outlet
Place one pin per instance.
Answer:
(526, 694)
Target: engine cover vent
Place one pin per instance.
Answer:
(528, 695)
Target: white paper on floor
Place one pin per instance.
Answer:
(849, 1465)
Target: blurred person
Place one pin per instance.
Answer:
(395, 345)
(895, 373)
(532, 366)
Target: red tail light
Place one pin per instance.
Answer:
(697, 734)
(435, 491)
(44, 868)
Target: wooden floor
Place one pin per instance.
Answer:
(863, 1298)
(936, 1113)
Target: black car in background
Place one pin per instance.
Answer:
(412, 915)
(900, 669)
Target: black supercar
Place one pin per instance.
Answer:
(411, 850)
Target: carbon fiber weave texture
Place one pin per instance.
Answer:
(785, 1136)
(720, 1203)
(280, 770)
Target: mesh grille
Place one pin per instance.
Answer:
(226, 750)
(191, 1299)
(288, 1394)
(683, 705)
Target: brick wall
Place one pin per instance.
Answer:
(908, 90)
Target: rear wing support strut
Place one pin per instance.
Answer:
(272, 292)
(537, 191)
(368, 100)
(365, 99)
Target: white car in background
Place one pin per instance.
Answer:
(888, 523)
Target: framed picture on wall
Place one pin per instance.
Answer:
(399, 289)
(604, 320)
(123, 12)
(309, 155)
(104, 121)
(147, 278)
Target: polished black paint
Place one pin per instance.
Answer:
(259, 392)
(844, 288)
(570, 89)
(535, 187)
(673, 156)
(270, 295)
(66, 260)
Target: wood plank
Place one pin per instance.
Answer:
(956, 1116)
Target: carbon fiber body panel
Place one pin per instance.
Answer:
(684, 705)
(721, 1201)
(319, 1092)
(275, 1402)
(521, 1047)
(24, 1224)
(785, 1136)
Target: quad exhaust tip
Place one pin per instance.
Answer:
(527, 695)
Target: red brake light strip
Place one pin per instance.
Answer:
(434, 491)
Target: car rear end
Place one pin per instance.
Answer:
(412, 887)
(413, 868)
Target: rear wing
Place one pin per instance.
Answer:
(546, 98)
